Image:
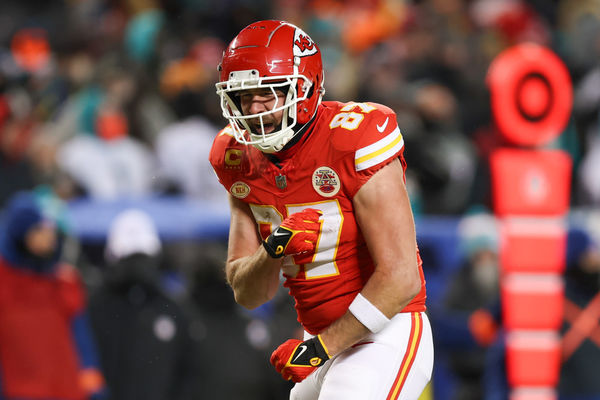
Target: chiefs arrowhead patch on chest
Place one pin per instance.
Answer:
(326, 181)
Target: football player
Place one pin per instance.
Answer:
(317, 193)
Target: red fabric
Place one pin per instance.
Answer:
(322, 173)
(38, 357)
(112, 124)
(531, 182)
(305, 227)
(483, 327)
(281, 360)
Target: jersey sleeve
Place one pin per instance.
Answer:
(378, 143)
(224, 156)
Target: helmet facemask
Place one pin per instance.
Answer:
(242, 125)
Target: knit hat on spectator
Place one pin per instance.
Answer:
(21, 214)
(132, 232)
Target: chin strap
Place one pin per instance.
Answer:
(303, 131)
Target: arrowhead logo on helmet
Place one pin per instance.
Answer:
(303, 44)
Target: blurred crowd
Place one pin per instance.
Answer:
(115, 98)
(112, 99)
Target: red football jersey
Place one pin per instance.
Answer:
(348, 143)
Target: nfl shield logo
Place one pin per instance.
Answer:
(281, 182)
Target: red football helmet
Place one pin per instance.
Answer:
(271, 55)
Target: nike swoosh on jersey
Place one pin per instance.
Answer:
(381, 127)
(302, 350)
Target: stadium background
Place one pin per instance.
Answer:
(106, 105)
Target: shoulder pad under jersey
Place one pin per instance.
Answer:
(226, 153)
(370, 130)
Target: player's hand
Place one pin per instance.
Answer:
(295, 360)
(297, 234)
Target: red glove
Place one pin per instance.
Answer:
(296, 360)
(297, 234)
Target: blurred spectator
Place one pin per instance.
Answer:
(581, 327)
(515, 21)
(182, 150)
(108, 170)
(182, 147)
(102, 156)
(427, 59)
(468, 317)
(46, 350)
(239, 340)
(586, 110)
(420, 72)
(15, 130)
(144, 337)
(142, 31)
